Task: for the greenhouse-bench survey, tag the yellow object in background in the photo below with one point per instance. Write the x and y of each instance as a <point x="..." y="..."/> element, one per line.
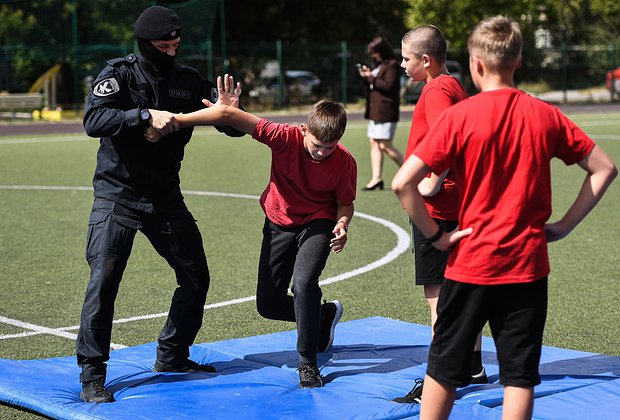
<point x="47" y="115"/>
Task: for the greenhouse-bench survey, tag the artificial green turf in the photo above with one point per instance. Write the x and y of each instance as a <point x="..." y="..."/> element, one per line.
<point x="42" y="234"/>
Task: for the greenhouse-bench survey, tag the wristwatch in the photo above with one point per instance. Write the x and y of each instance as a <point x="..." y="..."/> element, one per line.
<point x="145" y="116"/>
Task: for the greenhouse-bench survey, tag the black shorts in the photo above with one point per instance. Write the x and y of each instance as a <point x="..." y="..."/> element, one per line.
<point x="516" y="315"/>
<point x="430" y="262"/>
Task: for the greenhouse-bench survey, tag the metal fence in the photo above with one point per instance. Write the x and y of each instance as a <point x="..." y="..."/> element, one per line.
<point x="64" y="42"/>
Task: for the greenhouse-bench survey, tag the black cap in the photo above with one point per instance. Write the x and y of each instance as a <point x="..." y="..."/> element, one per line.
<point x="158" y="22"/>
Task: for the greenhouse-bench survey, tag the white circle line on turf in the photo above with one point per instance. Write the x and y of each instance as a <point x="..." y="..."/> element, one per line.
<point x="402" y="246"/>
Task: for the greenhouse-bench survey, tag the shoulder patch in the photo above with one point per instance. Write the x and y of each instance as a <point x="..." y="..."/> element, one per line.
<point x="106" y="87"/>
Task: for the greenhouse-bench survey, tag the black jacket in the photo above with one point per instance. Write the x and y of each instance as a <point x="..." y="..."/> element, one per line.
<point x="383" y="94"/>
<point x="131" y="170"/>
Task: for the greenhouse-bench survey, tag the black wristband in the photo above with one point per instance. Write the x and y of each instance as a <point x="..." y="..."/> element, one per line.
<point x="436" y="236"/>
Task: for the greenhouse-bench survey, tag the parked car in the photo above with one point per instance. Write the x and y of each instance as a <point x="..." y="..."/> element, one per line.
<point x="612" y="80"/>
<point x="411" y="90"/>
<point x="301" y="86"/>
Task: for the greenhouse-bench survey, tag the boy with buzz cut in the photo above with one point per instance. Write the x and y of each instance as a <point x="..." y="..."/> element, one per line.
<point x="499" y="143"/>
<point x="424" y="51"/>
<point x="308" y="206"/>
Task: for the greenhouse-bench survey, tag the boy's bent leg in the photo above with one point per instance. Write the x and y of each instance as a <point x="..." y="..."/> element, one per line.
<point x="437" y="399"/>
<point x="518" y="403"/>
<point x="311" y="258"/>
<point x="275" y="271"/>
<point x="331" y="312"/>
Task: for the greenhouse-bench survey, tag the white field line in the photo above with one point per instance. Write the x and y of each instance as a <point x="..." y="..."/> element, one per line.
<point x="597" y="123"/>
<point x="46" y="139"/>
<point x="605" y="136"/>
<point x="402" y="246"/>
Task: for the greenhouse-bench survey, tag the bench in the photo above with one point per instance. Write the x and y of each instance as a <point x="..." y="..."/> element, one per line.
<point x="20" y="105"/>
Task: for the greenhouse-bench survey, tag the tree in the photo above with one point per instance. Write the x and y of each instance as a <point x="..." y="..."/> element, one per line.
<point x="315" y="20"/>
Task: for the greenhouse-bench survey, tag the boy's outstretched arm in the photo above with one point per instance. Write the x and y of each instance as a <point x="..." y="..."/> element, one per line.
<point x="220" y="115"/>
<point x="601" y="172"/>
<point x="344" y="215"/>
<point x="405" y="185"/>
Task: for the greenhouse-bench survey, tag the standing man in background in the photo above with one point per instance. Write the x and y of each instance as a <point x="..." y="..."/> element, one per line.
<point x="137" y="187"/>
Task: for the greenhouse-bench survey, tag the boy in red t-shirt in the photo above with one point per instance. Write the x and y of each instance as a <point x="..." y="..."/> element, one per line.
<point x="499" y="144"/>
<point x="424" y="50"/>
<point x="308" y="206"/>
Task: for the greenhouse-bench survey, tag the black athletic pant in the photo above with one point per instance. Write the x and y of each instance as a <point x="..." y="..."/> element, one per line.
<point x="175" y="236"/>
<point x="299" y="253"/>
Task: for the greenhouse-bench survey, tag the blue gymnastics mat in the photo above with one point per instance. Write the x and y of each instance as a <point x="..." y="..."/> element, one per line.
<point x="372" y="361"/>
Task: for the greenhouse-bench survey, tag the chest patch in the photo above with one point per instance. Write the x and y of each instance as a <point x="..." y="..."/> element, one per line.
<point x="181" y="94"/>
<point x="106" y="87"/>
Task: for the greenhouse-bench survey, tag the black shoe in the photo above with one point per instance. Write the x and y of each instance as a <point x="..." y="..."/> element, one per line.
<point x="186" y="365"/>
<point x="414" y="396"/>
<point x="309" y="376"/>
<point x="94" y="392"/>
<point x="379" y="185"/>
<point x="332" y="311"/>
<point x="480" y="378"/>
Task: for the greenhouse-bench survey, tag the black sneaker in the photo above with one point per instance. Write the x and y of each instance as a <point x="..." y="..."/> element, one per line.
<point x="414" y="396"/>
<point x="309" y="376"/>
<point x="94" y="392"/>
<point x="480" y="378"/>
<point x="186" y="365"/>
<point x="332" y="311"/>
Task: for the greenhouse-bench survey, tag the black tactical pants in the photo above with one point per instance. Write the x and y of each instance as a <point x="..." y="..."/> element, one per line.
<point x="175" y="236"/>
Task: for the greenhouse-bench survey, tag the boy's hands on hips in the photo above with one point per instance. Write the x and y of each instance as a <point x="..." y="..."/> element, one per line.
<point x="555" y="231"/>
<point x="449" y="239"/>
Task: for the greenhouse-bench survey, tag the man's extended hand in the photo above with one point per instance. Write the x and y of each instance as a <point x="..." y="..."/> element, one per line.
<point x="152" y="135"/>
<point x="164" y="122"/>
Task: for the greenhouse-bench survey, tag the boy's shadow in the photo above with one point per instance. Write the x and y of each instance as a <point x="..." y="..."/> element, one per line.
<point x="340" y="361"/>
<point x="350" y="360"/>
<point x="356" y="359"/>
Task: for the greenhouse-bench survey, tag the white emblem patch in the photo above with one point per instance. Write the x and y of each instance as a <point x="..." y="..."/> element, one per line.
<point x="106" y="87"/>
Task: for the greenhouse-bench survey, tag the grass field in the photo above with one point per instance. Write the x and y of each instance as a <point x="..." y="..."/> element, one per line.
<point x="43" y="274"/>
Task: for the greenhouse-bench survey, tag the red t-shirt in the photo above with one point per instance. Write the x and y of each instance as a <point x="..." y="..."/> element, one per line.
<point x="440" y="93"/>
<point x="500" y="144"/>
<point x="302" y="189"/>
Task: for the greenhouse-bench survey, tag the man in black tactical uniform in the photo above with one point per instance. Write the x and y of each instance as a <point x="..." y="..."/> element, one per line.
<point x="137" y="187"/>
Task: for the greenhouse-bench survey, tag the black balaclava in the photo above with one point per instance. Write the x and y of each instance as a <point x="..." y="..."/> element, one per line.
<point x="157" y="23"/>
<point x="161" y="61"/>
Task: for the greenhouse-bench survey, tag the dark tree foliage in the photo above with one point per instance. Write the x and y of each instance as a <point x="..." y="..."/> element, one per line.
<point x="314" y="20"/>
